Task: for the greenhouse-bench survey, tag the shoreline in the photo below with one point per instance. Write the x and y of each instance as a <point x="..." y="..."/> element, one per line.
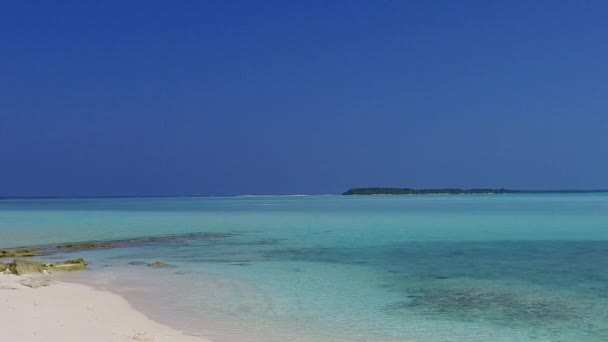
<point x="66" y="311"/>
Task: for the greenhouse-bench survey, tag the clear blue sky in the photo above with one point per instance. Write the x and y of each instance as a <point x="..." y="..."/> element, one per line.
<point x="240" y="97"/>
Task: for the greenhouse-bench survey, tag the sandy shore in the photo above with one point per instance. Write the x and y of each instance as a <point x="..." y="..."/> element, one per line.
<point x="73" y="312"/>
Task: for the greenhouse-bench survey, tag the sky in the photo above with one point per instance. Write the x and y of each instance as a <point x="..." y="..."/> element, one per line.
<point x="141" y="98"/>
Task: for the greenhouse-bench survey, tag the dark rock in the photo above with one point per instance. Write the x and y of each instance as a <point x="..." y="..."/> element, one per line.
<point x="49" y="249"/>
<point x="68" y="265"/>
<point x="159" y="264"/>
<point x="18" y="252"/>
<point x="140" y="241"/>
<point x="21" y="266"/>
<point x="2" y="267"/>
<point x="88" y="245"/>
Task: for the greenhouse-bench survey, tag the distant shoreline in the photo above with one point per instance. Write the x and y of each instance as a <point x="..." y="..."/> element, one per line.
<point x="456" y="191"/>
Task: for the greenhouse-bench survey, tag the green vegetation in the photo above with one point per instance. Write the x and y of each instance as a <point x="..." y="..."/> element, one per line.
<point x="452" y="191"/>
<point x="409" y="191"/>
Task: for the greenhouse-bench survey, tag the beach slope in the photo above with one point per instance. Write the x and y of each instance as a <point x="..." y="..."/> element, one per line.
<point x="62" y="311"/>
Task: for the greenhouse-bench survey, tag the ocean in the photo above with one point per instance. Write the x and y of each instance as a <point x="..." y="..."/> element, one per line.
<point x="505" y="267"/>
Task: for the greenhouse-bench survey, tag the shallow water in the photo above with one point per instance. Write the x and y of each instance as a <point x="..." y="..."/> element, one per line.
<point x="528" y="267"/>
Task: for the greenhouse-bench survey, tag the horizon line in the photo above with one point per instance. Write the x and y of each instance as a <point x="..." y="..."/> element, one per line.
<point x="518" y="191"/>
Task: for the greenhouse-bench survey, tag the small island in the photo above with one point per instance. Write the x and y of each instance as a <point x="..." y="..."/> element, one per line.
<point x="410" y="191"/>
<point x="455" y="191"/>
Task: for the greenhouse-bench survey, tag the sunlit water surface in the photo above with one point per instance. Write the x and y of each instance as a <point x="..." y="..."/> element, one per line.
<point x="332" y="268"/>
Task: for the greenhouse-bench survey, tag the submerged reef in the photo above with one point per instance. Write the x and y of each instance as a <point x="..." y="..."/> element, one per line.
<point x="501" y="306"/>
<point x="139" y="241"/>
<point x="40" y="250"/>
<point x="19" y="252"/>
<point x="21" y="266"/>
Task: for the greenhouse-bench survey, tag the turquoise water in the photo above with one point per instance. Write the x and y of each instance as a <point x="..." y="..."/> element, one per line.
<point x="528" y="267"/>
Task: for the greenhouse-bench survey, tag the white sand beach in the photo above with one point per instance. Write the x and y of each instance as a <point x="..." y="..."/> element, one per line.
<point x="62" y="311"/>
